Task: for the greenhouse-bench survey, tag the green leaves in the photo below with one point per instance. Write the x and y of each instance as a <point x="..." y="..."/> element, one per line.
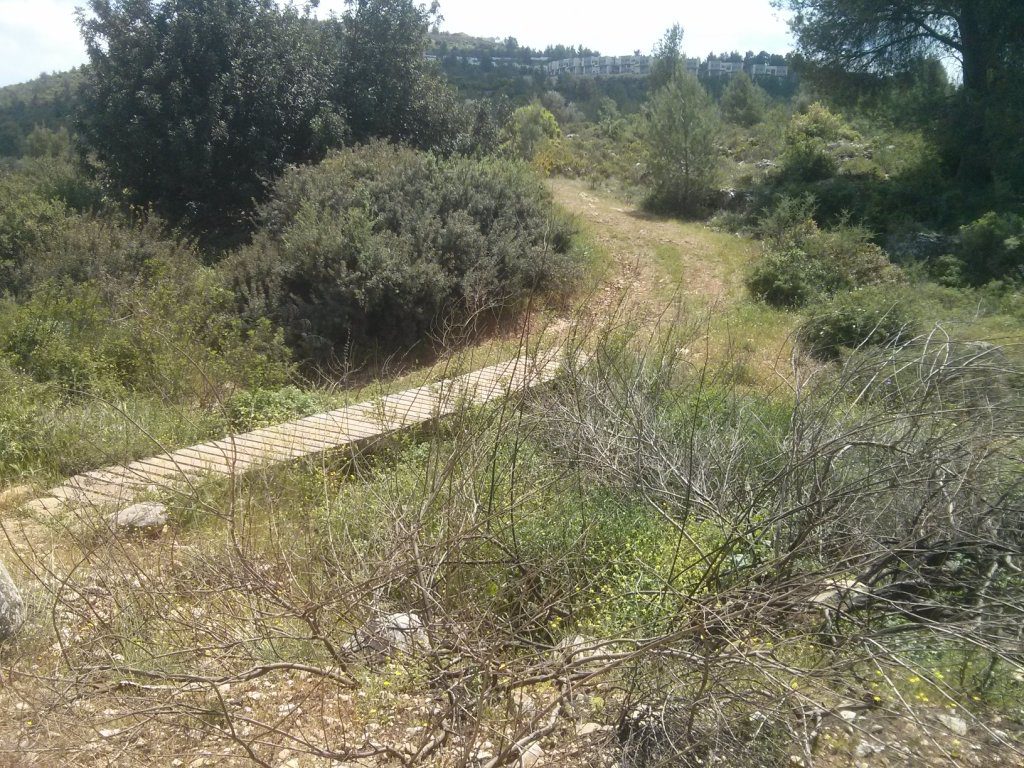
<point x="197" y="107"/>
<point x="681" y="145"/>
<point x="378" y="245"/>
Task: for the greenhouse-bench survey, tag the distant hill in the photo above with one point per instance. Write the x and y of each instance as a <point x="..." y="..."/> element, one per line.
<point x="459" y="43"/>
<point x="50" y="100"/>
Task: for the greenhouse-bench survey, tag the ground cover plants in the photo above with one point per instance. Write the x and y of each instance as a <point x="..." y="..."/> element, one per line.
<point x="768" y="513"/>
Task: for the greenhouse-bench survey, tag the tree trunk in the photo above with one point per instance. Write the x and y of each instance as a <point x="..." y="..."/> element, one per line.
<point x="975" y="161"/>
<point x="12" y="607"/>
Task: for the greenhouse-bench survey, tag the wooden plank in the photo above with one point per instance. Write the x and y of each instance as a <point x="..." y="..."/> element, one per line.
<point x="307" y="436"/>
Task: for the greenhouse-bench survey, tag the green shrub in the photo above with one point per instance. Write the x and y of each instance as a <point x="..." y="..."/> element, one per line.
<point x="789" y="278"/>
<point x="378" y="244"/>
<point x="109" y="250"/>
<point x="808" y="156"/>
<point x="803" y="261"/>
<point x="43" y="142"/>
<point x="818" y="122"/>
<point x="743" y="103"/>
<point x="530" y="130"/>
<point x="865" y="317"/>
<point x="806" y="160"/>
<point x="265" y="407"/>
<point x="27" y="221"/>
<point x="171" y="331"/>
<point x="992" y="248"/>
<point x="22" y="402"/>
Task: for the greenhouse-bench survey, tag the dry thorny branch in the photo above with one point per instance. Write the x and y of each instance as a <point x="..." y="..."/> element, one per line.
<point x="708" y="571"/>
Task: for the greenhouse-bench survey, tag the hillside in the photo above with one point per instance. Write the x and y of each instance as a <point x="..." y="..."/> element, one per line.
<point x="48" y="101"/>
<point x="371" y="397"/>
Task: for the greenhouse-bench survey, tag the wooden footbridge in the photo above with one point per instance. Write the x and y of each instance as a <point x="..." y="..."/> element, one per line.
<point x="355" y="425"/>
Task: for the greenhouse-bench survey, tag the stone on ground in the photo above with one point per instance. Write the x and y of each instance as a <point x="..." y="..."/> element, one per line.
<point x="145" y="517"/>
<point x="12" y="607"/>
<point x="393" y="633"/>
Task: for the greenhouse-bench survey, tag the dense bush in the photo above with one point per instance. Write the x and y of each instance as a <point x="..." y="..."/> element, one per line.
<point x="743" y="102"/>
<point x="22" y="405"/>
<point x="257" y="408"/>
<point x="992" y="248"/>
<point x="172" y="333"/>
<point x="195" y="107"/>
<point x="104" y="302"/>
<point x="531" y="129"/>
<point x="865" y="317"/>
<point x="378" y="244"/>
<point x="27" y="220"/>
<point x="808" y="155"/>
<point x="39" y="201"/>
<point x="803" y="261"/>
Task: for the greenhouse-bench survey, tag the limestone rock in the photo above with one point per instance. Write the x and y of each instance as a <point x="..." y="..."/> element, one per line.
<point x="146" y="517"/>
<point x="531" y="756"/>
<point x="43" y="506"/>
<point x="866" y="749"/>
<point x="12" y="606"/>
<point x="955" y="724"/>
<point x="392" y="633"/>
<point x="578" y="651"/>
<point x="589" y="729"/>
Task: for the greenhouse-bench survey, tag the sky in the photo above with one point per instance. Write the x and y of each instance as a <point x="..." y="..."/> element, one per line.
<point x="41" y="35"/>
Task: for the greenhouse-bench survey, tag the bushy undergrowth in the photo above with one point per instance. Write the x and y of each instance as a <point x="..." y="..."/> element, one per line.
<point x="804" y="262"/>
<point x="115" y="340"/>
<point x="992" y="248"/>
<point x="643" y="536"/>
<point x="862" y="318"/>
<point x="379" y="245"/>
<point x="257" y="408"/>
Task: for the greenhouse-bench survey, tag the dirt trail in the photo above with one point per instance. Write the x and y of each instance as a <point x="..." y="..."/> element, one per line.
<point x="655" y="265"/>
<point x="650" y="257"/>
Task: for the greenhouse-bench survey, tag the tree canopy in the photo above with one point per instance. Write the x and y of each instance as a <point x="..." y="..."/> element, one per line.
<point x="888" y="36"/>
<point x="668" y="57"/>
<point x="893" y="35"/>
<point x="196" y="106"/>
<point x="743" y="103"/>
<point x="680" y="141"/>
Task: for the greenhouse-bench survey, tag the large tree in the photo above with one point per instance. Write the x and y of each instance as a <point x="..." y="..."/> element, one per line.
<point x="196" y="106"/>
<point x="885" y="36"/>
<point x="382" y="77"/>
<point x="680" y="137"/>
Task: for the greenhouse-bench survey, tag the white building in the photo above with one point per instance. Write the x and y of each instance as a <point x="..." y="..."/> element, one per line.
<point x="770" y="70"/>
<point x="718" y="68"/>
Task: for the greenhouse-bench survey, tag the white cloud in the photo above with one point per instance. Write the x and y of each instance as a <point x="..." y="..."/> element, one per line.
<point x="38" y="36"/>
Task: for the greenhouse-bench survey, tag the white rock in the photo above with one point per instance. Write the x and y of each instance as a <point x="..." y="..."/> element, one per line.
<point x="12" y="606"/>
<point x="147" y="517"/>
<point x="955" y="724"/>
<point x="43" y="506"/>
<point x="589" y="728"/>
<point x="531" y="756"/>
<point x="577" y="649"/>
<point x="395" y="632"/>
<point x="848" y="715"/>
<point x="866" y="749"/>
<point x="524" y="703"/>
